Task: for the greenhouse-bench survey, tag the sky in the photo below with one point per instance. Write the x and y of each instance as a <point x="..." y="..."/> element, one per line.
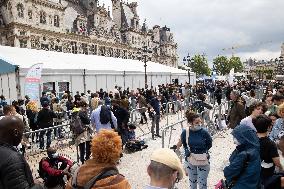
<point x="209" y="26"/>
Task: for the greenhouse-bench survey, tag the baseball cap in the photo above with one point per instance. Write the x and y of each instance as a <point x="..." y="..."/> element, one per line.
<point x="168" y="158"/>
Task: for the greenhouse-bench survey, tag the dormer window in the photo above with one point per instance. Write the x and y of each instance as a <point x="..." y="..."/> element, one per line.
<point x="42" y="17"/>
<point x="56" y="21"/>
<point x="20" y="9"/>
<point x="30" y="14"/>
<point x="132" y="22"/>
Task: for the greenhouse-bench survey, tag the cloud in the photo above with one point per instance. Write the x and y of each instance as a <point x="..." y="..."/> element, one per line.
<point x="208" y="26"/>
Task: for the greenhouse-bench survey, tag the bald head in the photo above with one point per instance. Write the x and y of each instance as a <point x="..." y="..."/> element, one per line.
<point x="11" y="130"/>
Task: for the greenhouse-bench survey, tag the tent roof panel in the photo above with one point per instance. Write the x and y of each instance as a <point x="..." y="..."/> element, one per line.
<point x="25" y="58"/>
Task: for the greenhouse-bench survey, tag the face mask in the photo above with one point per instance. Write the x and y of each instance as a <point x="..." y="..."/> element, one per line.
<point x="196" y="127"/>
<point x="236" y="141"/>
<point x="53" y="156"/>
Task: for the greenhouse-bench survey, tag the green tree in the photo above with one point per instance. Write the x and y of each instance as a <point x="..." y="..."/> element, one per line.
<point x="200" y="65"/>
<point x="236" y="63"/>
<point x="221" y="65"/>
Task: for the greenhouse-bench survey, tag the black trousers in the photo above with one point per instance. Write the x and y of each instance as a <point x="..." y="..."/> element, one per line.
<point x="85" y="151"/>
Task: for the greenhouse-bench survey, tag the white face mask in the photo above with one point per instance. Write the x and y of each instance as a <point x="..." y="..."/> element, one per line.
<point x="196" y="127"/>
<point x="236" y="141"/>
<point x="55" y="155"/>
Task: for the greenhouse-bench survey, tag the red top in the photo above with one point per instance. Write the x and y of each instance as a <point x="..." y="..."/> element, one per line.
<point x="52" y="171"/>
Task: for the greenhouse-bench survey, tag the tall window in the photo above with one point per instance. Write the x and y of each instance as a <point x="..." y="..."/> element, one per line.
<point x="58" y="46"/>
<point x="74" y="47"/>
<point x="93" y="49"/>
<point x="85" y="48"/>
<point x="102" y="51"/>
<point x="56" y="21"/>
<point x="42" y="17"/>
<point x="111" y="52"/>
<point x="20" y="9"/>
<point x="23" y="43"/>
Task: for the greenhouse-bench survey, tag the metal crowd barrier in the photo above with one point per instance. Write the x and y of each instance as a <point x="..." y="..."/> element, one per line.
<point x="59" y="137"/>
<point x="212" y="121"/>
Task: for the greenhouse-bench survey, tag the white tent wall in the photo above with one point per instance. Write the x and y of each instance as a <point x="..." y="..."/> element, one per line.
<point x="119" y="80"/>
<point x="94" y="82"/>
<point x="139" y="81"/>
<point x="8" y="86"/>
<point x="91" y="82"/>
<point x="101" y="82"/>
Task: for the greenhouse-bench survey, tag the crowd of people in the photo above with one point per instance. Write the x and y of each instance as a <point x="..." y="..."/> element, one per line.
<point x="100" y="125"/>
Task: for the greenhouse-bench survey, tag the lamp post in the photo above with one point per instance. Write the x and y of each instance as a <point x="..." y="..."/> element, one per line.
<point x="144" y="55"/>
<point x="189" y="61"/>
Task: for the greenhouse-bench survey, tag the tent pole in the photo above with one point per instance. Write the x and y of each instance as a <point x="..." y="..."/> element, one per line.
<point x="84" y="80"/>
<point x="124" y="79"/>
<point x="18" y="86"/>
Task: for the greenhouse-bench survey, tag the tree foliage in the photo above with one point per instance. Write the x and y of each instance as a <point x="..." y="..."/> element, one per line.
<point x="222" y="64"/>
<point x="200" y="65"/>
<point x="236" y="63"/>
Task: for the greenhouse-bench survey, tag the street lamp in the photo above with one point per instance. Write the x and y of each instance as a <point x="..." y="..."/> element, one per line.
<point x="144" y="55"/>
<point x="190" y="62"/>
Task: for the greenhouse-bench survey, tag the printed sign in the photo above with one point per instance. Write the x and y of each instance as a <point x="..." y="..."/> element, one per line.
<point x="32" y="82"/>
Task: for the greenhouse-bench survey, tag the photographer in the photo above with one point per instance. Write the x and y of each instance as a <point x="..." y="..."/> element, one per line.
<point x="155" y="115"/>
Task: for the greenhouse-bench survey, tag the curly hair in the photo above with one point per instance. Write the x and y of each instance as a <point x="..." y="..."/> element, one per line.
<point x="32" y="105"/>
<point x="255" y="105"/>
<point x="191" y="116"/>
<point x="106" y="147"/>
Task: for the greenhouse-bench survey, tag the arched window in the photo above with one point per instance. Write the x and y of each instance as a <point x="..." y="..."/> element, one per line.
<point x="42" y="17"/>
<point x="56" y="21"/>
<point x="30" y="14"/>
<point x="20" y="9"/>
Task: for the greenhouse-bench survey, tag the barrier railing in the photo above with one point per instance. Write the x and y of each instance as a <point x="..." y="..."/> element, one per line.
<point x="133" y="117"/>
<point x="59" y="137"/>
<point x="211" y="118"/>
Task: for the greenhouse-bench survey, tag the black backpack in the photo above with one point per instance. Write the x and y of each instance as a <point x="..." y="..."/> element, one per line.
<point x="107" y="172"/>
<point x="105" y="115"/>
<point x="77" y="127"/>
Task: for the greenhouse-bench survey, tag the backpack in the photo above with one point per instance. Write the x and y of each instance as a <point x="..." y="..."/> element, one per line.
<point x="134" y="146"/>
<point x="76" y="124"/>
<point x="107" y="172"/>
<point x="105" y="115"/>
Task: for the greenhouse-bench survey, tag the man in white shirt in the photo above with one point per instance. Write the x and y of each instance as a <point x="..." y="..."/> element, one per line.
<point x="164" y="170"/>
<point x="96" y="122"/>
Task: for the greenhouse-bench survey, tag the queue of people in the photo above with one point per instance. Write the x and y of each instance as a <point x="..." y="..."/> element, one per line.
<point x="99" y="122"/>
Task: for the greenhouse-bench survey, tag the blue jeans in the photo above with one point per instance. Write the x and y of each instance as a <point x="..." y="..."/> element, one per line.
<point x="197" y="174"/>
<point x="41" y="139"/>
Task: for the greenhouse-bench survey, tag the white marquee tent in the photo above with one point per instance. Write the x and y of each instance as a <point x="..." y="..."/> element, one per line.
<point x="79" y="72"/>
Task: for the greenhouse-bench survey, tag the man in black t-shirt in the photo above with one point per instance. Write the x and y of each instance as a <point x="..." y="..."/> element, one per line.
<point x="268" y="150"/>
<point x="277" y="180"/>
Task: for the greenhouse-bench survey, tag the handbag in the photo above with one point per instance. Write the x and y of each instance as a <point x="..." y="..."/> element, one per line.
<point x="222" y="185"/>
<point x="196" y="159"/>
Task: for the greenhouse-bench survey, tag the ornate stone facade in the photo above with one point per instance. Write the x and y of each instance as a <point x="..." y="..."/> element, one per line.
<point x="85" y="27"/>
